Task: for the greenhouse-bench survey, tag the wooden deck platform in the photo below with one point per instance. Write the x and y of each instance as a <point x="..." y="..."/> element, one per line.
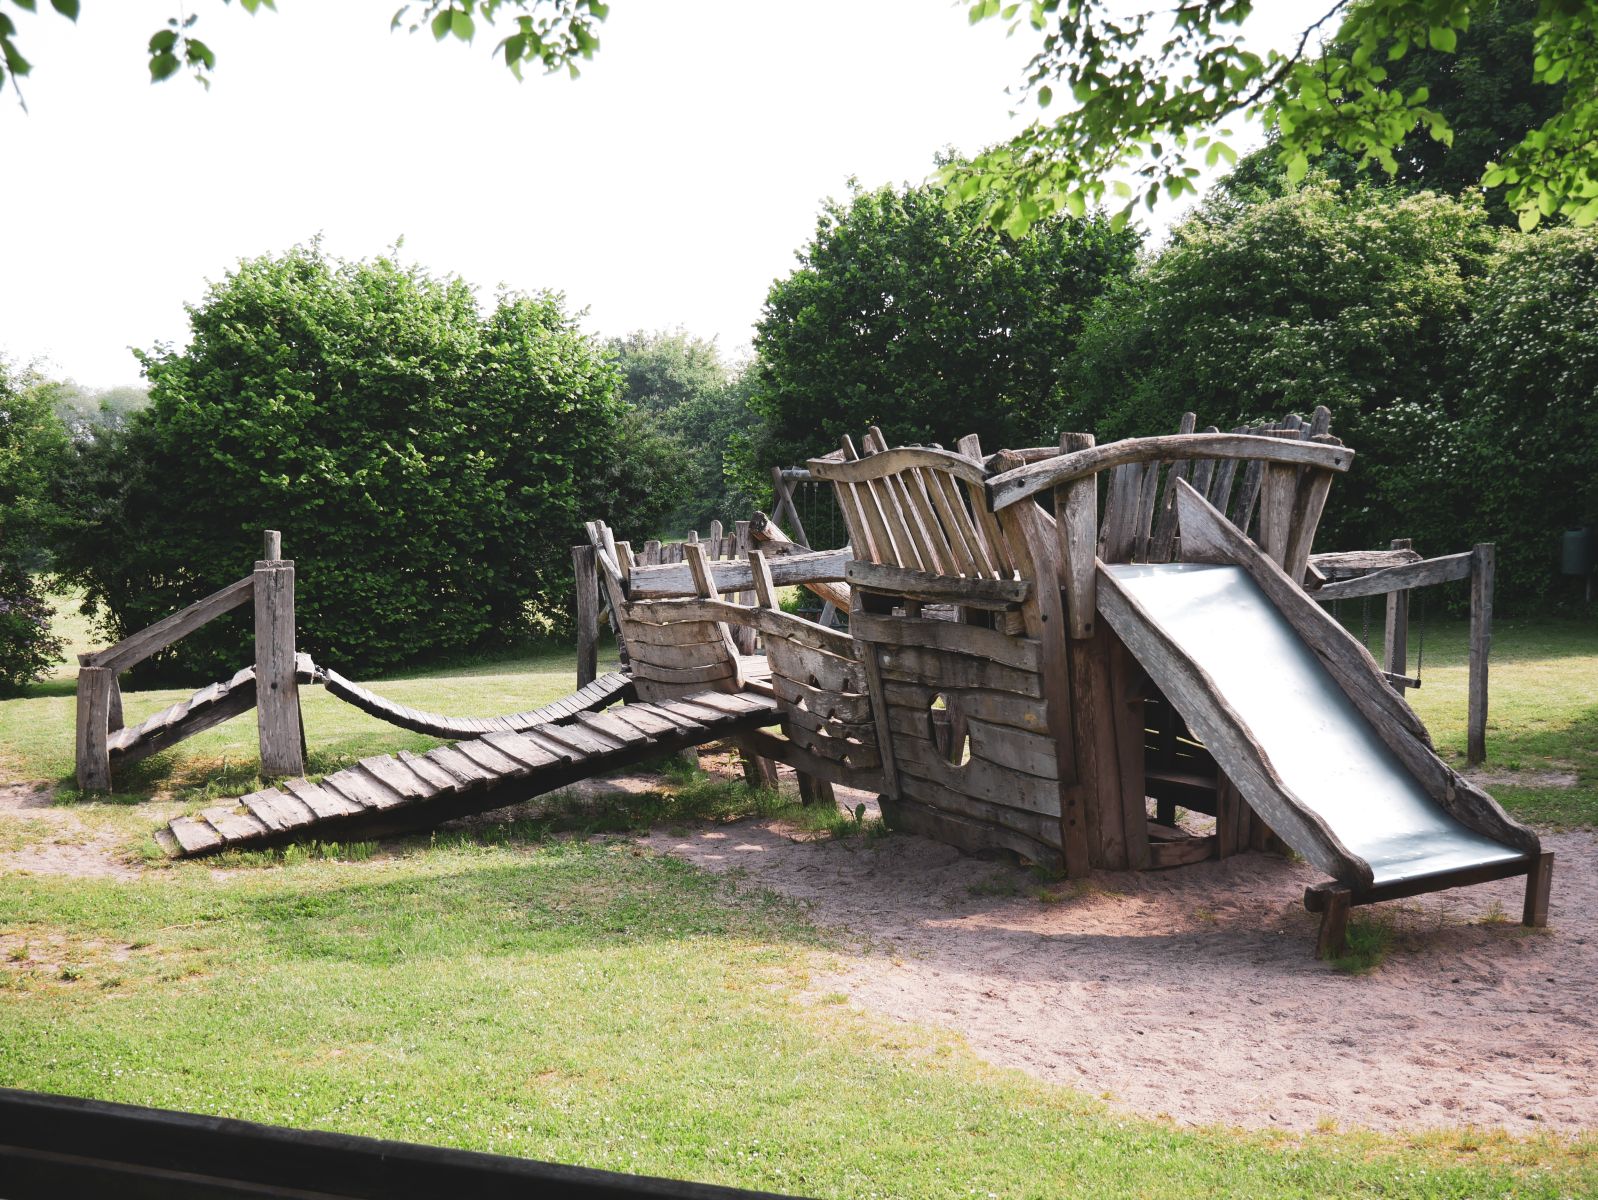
<point x="394" y="794"/>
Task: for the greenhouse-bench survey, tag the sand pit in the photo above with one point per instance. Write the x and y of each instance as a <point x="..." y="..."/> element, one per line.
<point x="1195" y="993"/>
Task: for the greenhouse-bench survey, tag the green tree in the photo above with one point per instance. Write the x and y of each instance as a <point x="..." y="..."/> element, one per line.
<point x="919" y="317"/>
<point x="552" y="34"/>
<point x="429" y="465"/>
<point x="32" y="447"/>
<point x="700" y="406"/>
<point x="1342" y="297"/>
<point x="1153" y="88"/>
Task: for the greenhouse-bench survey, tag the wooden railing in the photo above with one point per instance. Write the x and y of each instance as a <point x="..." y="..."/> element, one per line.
<point x="271" y="587"/>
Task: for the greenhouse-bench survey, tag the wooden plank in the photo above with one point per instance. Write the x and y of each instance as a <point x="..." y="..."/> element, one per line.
<point x="973" y="835"/>
<point x="584" y="741"/>
<point x="1020" y="653"/>
<point x="501" y="764"/>
<point x="684" y="675"/>
<point x="326" y="804"/>
<point x="234" y="826"/>
<point x="137" y="647"/>
<point x="647" y="721"/>
<point x="1017" y="483"/>
<point x="850" y="708"/>
<point x="997" y="548"/>
<point x="542" y="737"/>
<point x="605" y="725"/>
<point x="1482" y="569"/>
<point x="363" y="788"/>
<point x="440" y="779"/>
<point x="816" y="667"/>
<point x="1141" y="526"/>
<point x="658" y="583"/>
<point x="689" y="718"/>
<point x="450" y="759"/>
<point x="1309" y="502"/>
<point x="1181" y="853"/>
<point x="195" y="836"/>
<point x="894" y="461"/>
<point x="585" y="571"/>
<point x="942" y="668"/>
<point x="277" y="696"/>
<point x="999" y="708"/>
<point x="521" y="749"/>
<point x="855" y="754"/>
<point x="259" y="805"/>
<point x="1128" y="710"/>
<point x="771" y="622"/>
<point x="1277" y="492"/>
<point x="1120" y="513"/>
<point x="965" y="548"/>
<point x="1348" y="564"/>
<point x="1332" y="940"/>
<point x="1417" y="573"/>
<point x="398" y="776"/>
<point x="919" y="784"/>
<point x="681" y="658"/>
<point x="1395" y="632"/>
<point x="1076" y="525"/>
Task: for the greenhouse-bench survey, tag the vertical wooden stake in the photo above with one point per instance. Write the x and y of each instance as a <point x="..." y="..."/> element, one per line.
<point x="1396" y="635"/>
<point x="1481" y="643"/>
<point x="744" y="635"/>
<point x="277" y="693"/>
<point x="586" y="572"/>
<point x="94" y="711"/>
<point x="1076" y="525"/>
<point x="114" y="707"/>
<point x="1333" y="940"/>
<point x="1538" y="883"/>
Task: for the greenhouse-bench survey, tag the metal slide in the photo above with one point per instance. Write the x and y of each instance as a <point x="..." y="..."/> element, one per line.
<point x="1332" y="762"/>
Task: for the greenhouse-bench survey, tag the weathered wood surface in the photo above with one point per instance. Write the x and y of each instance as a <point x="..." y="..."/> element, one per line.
<point x="93" y="725"/>
<point x="585" y="571"/>
<point x="1350" y="564"/>
<point x="1020" y="653"/>
<point x="1076" y="525"/>
<point x="605" y="690"/>
<point x="1018" y="483"/>
<point x="1027" y="714"/>
<point x="931" y="587"/>
<point x="829" y="672"/>
<point x="384" y="794"/>
<point x="277" y="696"/>
<point x="1482" y="569"/>
<point x="675" y="579"/>
<point x="137" y="647"/>
<point x="892" y="462"/>
<point x="987" y="830"/>
<point x="919" y="664"/>
<point x="772" y="622"/>
<point x="1416" y="573"/>
<point x="1207" y="537"/>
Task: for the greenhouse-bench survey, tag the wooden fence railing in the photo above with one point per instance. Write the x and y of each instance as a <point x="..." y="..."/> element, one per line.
<point x="271" y="587"/>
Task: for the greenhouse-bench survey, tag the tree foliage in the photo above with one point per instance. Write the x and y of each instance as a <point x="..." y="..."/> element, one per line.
<point x="919" y="317"/>
<point x="32" y="446"/>
<point x="429" y="464"/>
<point x="699" y="405"/>
<point x="552" y="34"/>
<point x="1152" y="90"/>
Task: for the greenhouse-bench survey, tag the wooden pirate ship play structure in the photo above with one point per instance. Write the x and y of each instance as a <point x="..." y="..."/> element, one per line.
<point x="1052" y="652"/>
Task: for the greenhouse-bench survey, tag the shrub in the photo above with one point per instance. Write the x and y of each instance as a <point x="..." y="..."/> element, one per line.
<point x="430" y="466"/>
<point x="32" y="447"/>
<point x="28" y="649"/>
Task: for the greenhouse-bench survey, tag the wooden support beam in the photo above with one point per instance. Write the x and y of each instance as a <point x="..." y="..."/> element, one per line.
<point x="94" y="711"/>
<point x="1076" y="525"/>
<point x="1333" y="939"/>
<point x="586" y="572"/>
<point x="1395" y="634"/>
<point x="277" y="709"/>
<point x="1481" y="644"/>
<point x="1539" y="880"/>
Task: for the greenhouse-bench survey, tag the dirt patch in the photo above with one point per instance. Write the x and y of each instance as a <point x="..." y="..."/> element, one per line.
<point x="1524" y="779"/>
<point x="67" y="847"/>
<point x="1195" y="992"/>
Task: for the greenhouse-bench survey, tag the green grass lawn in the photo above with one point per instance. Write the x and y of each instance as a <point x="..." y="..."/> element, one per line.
<point x="576" y="999"/>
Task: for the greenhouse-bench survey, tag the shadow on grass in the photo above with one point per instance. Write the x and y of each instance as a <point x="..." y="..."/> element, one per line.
<point x="1570" y="745"/>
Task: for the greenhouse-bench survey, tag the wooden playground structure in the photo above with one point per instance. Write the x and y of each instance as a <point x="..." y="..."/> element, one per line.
<point x="1111" y="657"/>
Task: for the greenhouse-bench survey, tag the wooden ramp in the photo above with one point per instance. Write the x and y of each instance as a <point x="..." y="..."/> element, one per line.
<point x="602" y="692"/>
<point x="395" y="794"/>
<point x="209" y="706"/>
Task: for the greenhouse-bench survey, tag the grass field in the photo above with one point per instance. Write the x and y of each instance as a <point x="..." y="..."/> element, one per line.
<point x="575" y="999"/>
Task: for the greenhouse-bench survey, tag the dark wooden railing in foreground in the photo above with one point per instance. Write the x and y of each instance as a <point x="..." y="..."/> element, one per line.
<point x="54" y="1146"/>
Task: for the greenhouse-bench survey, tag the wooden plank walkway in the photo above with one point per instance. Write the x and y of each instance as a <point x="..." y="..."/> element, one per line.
<point x="209" y="706"/>
<point x="602" y="692"/>
<point x="395" y="794"/>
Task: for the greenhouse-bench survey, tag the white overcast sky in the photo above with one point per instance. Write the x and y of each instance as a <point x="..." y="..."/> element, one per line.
<point x="668" y="186"/>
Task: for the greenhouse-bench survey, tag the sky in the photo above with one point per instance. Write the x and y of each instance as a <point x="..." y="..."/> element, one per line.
<point x="667" y="187"/>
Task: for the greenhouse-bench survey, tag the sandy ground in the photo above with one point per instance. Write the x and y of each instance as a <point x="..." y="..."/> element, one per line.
<point x="71" y="847"/>
<point x="1195" y="993"/>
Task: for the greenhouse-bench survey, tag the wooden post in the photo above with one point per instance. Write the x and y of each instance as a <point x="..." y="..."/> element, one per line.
<point x="781" y="498"/>
<point x="1482" y="564"/>
<point x="94" y="711"/>
<point x="1538" y="881"/>
<point x="1395" y="638"/>
<point x="1076" y="525"/>
<point x="744" y="635"/>
<point x="586" y="572"/>
<point x="1333" y="940"/>
<point x="277" y="693"/>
